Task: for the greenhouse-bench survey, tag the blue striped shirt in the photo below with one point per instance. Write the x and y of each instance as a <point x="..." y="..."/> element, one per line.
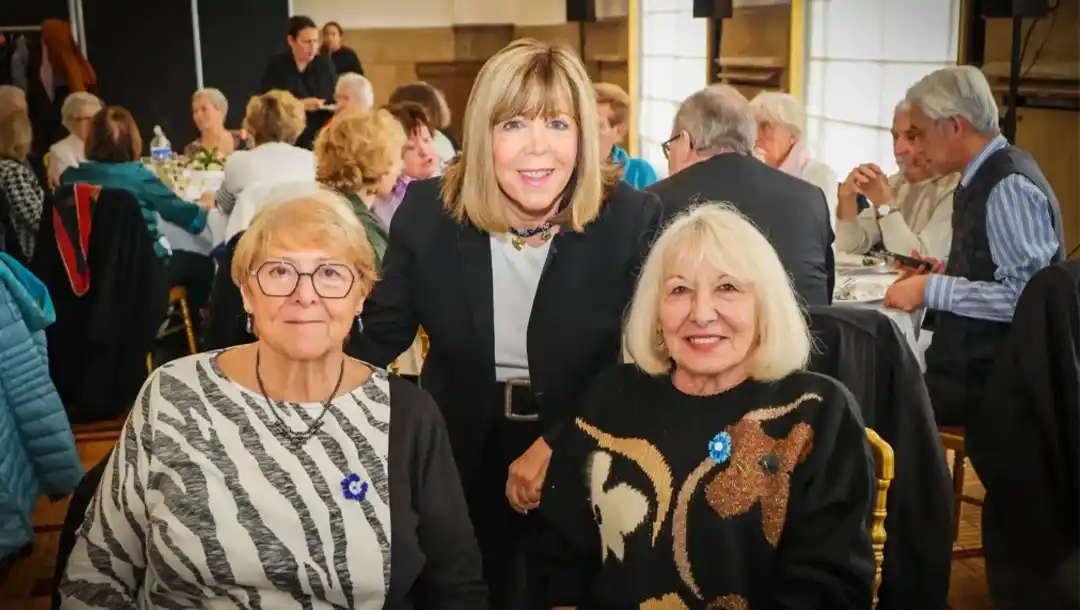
<point x="1023" y="240"/>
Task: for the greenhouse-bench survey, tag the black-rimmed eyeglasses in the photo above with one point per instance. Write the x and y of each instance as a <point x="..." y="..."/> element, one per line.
<point x="280" y="279"/>
<point x="666" y="146"/>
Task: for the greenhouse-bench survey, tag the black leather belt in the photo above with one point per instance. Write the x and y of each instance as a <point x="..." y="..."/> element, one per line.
<point x="517" y="392"/>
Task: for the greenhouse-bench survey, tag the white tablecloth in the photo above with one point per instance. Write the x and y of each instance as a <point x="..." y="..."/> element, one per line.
<point x="203" y="243"/>
<point x="909" y="323"/>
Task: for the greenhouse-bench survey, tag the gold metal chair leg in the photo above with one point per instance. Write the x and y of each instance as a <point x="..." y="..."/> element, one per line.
<point x="959" y="458"/>
<point x="149" y="363"/>
<point x="189" y="328"/>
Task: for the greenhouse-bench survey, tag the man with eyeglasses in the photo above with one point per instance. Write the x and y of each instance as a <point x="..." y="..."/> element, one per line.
<point x="710" y="158"/>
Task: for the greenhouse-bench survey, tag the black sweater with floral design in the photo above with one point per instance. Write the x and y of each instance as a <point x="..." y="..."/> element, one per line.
<point x="757" y="498"/>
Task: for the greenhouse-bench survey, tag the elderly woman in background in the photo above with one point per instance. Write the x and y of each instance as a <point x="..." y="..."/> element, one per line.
<point x="434" y="105"/>
<point x="287" y="473"/>
<point x="519" y="274"/>
<point x="419" y="159"/>
<point x="208" y="110"/>
<point x="353" y="92"/>
<point x="358" y="155"/>
<point x="781" y="129"/>
<point x="910" y="211"/>
<point x="614" y="106"/>
<point x="753" y="473"/>
<point x="77" y="112"/>
<point x="18" y="184"/>
<point x="273" y="120"/>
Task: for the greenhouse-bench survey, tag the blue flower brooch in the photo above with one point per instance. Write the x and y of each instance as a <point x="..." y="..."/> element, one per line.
<point x="720" y="447"/>
<point x="354" y="488"/>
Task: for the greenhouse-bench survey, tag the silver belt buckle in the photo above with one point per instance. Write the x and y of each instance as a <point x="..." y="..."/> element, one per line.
<point x="508" y="400"/>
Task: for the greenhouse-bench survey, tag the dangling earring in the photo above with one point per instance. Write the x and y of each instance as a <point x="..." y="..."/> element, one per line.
<point x="248" y="325"/>
<point x="359" y="325"/>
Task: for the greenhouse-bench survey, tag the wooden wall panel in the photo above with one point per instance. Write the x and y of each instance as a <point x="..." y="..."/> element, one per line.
<point x="1053" y="139"/>
<point x="755" y="49"/>
<point x="1052" y="136"/>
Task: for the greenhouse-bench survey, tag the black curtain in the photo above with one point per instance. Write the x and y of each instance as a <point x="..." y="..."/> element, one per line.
<point x="144" y="55"/>
<point x="30" y="12"/>
<point x="236" y="38"/>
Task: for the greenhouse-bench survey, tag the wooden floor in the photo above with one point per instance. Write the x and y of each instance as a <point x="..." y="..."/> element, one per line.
<point x="28" y="581"/>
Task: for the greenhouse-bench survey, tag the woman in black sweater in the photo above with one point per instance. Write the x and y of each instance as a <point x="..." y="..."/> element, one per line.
<point x="345" y="58"/>
<point x="714" y="472"/>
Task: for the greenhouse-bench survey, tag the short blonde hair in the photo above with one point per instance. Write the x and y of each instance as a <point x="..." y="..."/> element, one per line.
<point x="275" y="116"/>
<point x="16" y="135"/>
<point x="355" y="150"/>
<point x="527" y="78"/>
<point x="322" y="219"/>
<point x="718" y="234"/>
<point x="782" y="109"/>
<point x="617" y="99"/>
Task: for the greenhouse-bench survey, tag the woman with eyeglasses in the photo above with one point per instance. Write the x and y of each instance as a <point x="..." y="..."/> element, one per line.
<point x="282" y="473"/>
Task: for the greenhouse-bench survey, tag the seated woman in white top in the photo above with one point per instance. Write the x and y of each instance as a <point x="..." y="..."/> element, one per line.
<point x="274" y="120"/>
<point x="909" y="211"/>
<point x="78" y="110"/>
<point x="781" y="123"/>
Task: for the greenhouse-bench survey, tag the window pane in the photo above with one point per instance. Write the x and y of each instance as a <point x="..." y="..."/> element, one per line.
<point x="920" y="30"/>
<point x="852" y="28"/>
<point x="843" y="146"/>
<point x="815" y="86"/>
<point x="852" y="92"/>
<point x="656" y="119"/>
<point x="895" y="81"/>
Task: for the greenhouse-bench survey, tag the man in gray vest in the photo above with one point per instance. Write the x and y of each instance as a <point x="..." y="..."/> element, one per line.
<point x="1006" y="227"/>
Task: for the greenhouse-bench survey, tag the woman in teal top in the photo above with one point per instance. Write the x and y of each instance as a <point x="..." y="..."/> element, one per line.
<point x="112" y="153"/>
<point x="613" y="105"/>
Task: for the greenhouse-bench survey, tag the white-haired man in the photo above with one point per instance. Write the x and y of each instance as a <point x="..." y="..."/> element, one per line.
<point x="353" y="92"/>
<point x="1006" y="227"/>
<point x="710" y="158"/>
<point x="910" y="211"/>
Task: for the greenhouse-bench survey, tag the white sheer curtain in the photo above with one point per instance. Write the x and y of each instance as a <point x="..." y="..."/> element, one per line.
<point x="862" y="57"/>
<point x="673" y="63"/>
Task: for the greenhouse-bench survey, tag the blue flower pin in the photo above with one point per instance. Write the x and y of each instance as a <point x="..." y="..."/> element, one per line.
<point x="354" y="488"/>
<point x="720" y="447"/>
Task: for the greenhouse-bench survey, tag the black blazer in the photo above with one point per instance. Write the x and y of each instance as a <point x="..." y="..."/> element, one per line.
<point x="1024" y="441"/>
<point x="791" y="212"/>
<point x="865" y="351"/>
<point x="437" y="274"/>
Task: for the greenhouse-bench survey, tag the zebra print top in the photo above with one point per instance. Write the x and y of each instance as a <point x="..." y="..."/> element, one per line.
<point x="203" y="504"/>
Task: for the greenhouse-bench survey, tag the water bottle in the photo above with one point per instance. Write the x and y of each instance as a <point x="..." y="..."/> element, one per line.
<point x="160" y="148"/>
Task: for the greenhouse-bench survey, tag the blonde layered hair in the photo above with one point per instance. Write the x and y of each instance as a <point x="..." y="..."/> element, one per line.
<point x="16" y="135"/>
<point x="321" y="220"/>
<point x="718" y="235"/>
<point x="356" y="150"/>
<point x="531" y="79"/>
<point x="275" y="116"/>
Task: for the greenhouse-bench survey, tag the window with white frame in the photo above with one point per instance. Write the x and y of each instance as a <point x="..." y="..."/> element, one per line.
<point x="862" y="57"/>
<point x="673" y="64"/>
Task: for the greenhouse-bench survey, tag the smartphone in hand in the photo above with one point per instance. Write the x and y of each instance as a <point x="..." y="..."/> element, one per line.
<point x="923" y="266"/>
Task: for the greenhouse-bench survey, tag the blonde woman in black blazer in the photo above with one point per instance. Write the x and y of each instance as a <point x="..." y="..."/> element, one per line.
<point x="519" y="264"/>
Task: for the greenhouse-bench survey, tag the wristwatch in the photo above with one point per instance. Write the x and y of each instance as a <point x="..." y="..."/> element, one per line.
<point x="883" y="210"/>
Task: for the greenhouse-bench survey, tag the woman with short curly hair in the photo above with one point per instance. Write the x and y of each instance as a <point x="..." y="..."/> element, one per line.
<point x="359" y="154"/>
